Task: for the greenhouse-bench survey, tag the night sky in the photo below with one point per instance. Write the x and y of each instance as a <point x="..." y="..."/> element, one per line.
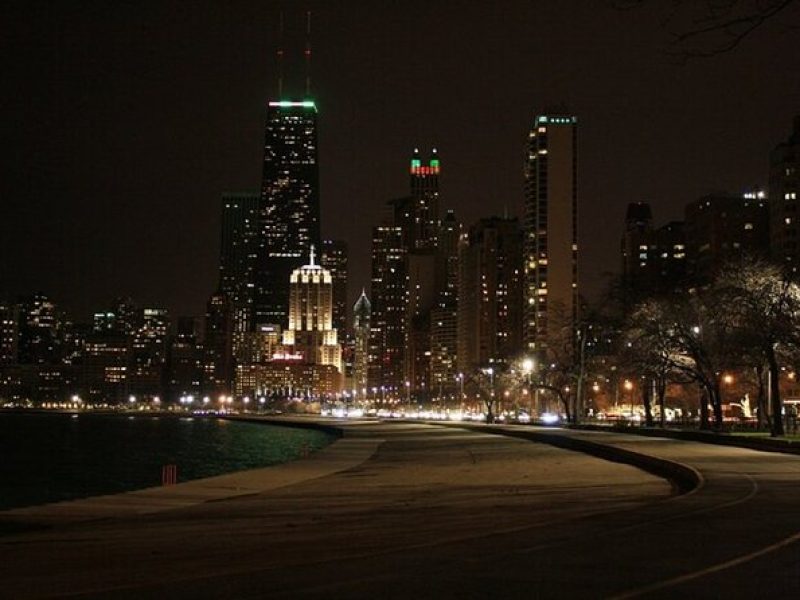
<point x="123" y="122"/>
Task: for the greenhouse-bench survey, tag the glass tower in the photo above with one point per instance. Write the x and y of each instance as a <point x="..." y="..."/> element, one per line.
<point x="289" y="206"/>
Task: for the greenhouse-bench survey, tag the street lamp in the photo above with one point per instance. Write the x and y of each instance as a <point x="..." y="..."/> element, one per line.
<point x="629" y="386"/>
<point x="527" y="368"/>
<point x="408" y="395"/>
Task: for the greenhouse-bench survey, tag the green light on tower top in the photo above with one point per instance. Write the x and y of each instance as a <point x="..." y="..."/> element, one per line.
<point x="416" y="163"/>
<point x="294" y="104"/>
<point x="435" y="163"/>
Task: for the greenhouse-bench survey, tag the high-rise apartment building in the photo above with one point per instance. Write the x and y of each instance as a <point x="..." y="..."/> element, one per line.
<point x="551" y="227"/>
<point x="388" y="333"/>
<point x="444" y="316"/>
<point x="239" y="254"/>
<point x="784" y="196"/>
<point x="289" y="213"/>
<point x="491" y="283"/>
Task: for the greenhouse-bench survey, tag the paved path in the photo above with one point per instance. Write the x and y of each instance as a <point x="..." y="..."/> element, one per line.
<point x="443" y="512"/>
<point x="391" y="510"/>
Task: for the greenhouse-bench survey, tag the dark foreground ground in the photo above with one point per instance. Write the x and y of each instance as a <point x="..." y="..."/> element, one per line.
<point x="410" y="511"/>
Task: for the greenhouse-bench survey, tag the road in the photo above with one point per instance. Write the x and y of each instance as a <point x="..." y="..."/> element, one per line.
<point x="434" y="511"/>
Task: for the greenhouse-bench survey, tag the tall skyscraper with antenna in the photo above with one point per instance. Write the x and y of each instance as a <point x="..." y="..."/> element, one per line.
<point x="289" y="210"/>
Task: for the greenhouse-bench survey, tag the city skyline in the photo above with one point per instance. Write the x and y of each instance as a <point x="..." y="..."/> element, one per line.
<point x="671" y="143"/>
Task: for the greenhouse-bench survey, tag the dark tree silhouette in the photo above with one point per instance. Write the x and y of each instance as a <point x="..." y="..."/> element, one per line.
<point x="709" y="28"/>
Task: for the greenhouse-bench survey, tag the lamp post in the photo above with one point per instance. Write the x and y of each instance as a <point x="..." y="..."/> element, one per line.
<point x="629" y="387"/>
<point x="527" y="368"/>
<point x="408" y="395"/>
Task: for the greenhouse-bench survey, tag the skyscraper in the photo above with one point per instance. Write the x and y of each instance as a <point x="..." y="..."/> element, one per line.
<point x="289" y="212"/>
<point x="389" y="302"/>
<point x="444" y="316"/>
<point x="784" y="193"/>
<point x="362" y="315"/>
<point x="551" y="227"/>
<point x="423" y="227"/>
<point x="311" y="332"/>
<point x="238" y="254"/>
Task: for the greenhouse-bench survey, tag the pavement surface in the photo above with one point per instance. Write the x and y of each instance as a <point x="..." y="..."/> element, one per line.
<point x="427" y="511"/>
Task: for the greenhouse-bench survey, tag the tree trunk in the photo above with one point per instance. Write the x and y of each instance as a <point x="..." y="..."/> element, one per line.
<point x="775" y="393"/>
<point x="646" y="401"/>
<point x="716" y="405"/>
<point x="762" y="414"/>
<point x="661" y="390"/>
<point x="565" y="404"/>
<point x="704" y="410"/>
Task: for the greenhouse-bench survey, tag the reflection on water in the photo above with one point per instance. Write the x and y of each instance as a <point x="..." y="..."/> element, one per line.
<point x="52" y="457"/>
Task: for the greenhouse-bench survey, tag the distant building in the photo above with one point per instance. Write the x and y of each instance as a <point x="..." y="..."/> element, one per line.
<point x="635" y="243"/>
<point x="784" y="195"/>
<point x="362" y="315"/>
<point x="653" y="259"/>
<point x="721" y="227"/>
<point x="311" y="333"/>
<point x="40" y="331"/>
<point x="106" y="360"/>
<point x="218" y="365"/>
<point x="289" y="213"/>
<point x="146" y="377"/>
<point x="184" y="361"/>
<point x="490" y="311"/>
<point x="288" y="379"/>
<point x="239" y="253"/>
<point x="444" y="315"/>
<point x="308" y="363"/>
<point x="333" y="257"/>
<point x="389" y="309"/>
<point x="9" y="332"/>
<point x="422" y="228"/>
<point x="551" y="226"/>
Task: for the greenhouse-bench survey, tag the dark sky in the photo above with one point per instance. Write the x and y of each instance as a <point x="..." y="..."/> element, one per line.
<point x="123" y="122"/>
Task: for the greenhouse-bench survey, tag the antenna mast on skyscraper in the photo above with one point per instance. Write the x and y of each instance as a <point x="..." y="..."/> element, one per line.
<point x="308" y="54"/>
<point x="280" y="56"/>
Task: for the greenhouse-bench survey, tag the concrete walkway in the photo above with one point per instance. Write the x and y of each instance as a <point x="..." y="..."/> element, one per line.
<point x="428" y="511"/>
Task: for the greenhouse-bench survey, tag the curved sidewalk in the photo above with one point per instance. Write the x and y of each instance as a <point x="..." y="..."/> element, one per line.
<point x="736" y="535"/>
<point x="457" y="511"/>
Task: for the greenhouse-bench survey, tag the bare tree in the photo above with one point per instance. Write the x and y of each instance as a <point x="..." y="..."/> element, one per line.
<point x="686" y="331"/>
<point x="764" y="307"/>
<point x="703" y="29"/>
